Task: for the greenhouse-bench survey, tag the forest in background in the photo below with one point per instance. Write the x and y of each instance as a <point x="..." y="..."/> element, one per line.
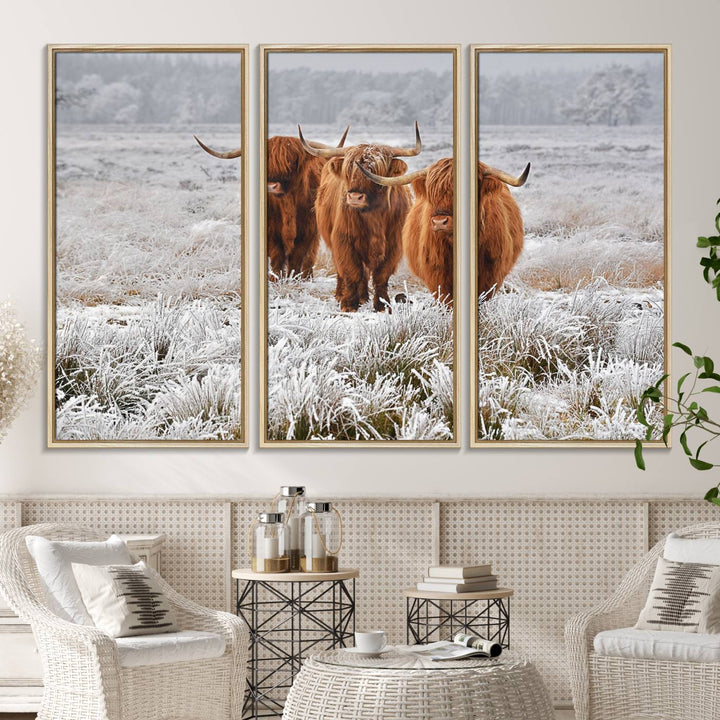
<point x="159" y="88"/>
<point x="559" y="97"/>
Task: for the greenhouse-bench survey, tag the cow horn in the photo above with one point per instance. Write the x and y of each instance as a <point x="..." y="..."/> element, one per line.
<point x="410" y="152"/>
<point x="230" y="155"/>
<point x="392" y="181"/>
<point x="508" y="179"/>
<point x="317" y="145"/>
<point x="323" y="152"/>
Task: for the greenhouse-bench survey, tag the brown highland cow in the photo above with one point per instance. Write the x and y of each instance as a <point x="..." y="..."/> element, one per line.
<point x="292" y="181"/>
<point x="428" y="229"/>
<point x="360" y="221"/>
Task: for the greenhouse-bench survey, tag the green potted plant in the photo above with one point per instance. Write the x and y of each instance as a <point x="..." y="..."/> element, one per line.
<point x="685" y="409"/>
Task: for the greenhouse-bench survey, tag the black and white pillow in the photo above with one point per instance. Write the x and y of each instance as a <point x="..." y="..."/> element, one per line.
<point x="684" y="597"/>
<point x="124" y="600"/>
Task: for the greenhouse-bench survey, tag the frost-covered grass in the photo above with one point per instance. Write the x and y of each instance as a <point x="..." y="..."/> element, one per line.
<point x="164" y="370"/>
<point x="357" y="376"/>
<point x="566" y="349"/>
<point x="567" y="366"/>
<point x="149" y="265"/>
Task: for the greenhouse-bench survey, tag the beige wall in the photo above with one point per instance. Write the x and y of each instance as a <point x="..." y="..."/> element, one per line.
<point x="27" y="467"/>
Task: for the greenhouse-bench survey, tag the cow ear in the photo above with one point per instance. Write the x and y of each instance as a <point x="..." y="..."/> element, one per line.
<point x="335" y="165"/>
<point x="419" y="186"/>
<point x="397" y="167"/>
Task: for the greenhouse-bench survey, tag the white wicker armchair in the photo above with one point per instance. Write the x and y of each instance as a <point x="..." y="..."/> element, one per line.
<point x="614" y="688"/>
<point x="81" y="670"/>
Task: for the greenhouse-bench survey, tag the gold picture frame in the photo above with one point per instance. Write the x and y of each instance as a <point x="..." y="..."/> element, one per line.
<point x="266" y="51"/>
<point x="475" y="52"/>
<point x="212" y="52"/>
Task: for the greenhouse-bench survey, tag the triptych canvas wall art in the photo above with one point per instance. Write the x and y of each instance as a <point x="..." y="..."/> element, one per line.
<point x="146" y="274"/>
<point x="360" y="219"/>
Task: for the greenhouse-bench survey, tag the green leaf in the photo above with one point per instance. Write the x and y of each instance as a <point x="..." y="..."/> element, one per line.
<point x="701" y="464"/>
<point x="667" y="426"/>
<point x="639" y="461"/>
<point x="709" y="376"/>
<point x="699" y="361"/>
<point x="712" y="389"/>
<point x="712" y="493"/>
<point x="641" y="412"/>
<point x="708" y="364"/>
<point x="683" y="347"/>
<point x="684" y="443"/>
<point x="703" y="242"/>
<point x="715" y="501"/>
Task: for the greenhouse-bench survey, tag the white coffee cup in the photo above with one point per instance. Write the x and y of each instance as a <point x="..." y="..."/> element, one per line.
<point x="372" y="641"/>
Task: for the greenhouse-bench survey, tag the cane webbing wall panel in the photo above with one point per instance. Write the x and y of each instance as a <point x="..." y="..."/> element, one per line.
<point x="193" y="555"/>
<point x="559" y="557"/>
<point x="7" y="515"/>
<point x="668" y="515"/>
<point x="391" y="544"/>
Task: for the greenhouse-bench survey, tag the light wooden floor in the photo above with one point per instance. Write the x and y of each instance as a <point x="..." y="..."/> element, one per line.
<point x="559" y="715"/>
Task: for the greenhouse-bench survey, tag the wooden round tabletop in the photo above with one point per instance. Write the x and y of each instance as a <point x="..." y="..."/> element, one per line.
<point x="483" y="595"/>
<point x="343" y="574"/>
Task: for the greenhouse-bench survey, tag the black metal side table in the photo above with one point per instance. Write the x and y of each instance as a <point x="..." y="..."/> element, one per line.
<point x="290" y="615"/>
<point x="435" y="616"/>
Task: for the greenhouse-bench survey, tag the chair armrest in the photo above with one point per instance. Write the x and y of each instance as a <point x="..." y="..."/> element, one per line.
<point x="71" y="650"/>
<point x="192" y="616"/>
<point x="619" y="610"/>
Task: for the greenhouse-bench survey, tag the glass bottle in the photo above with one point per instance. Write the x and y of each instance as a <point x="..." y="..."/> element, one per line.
<point x="269" y="544"/>
<point x="323" y="537"/>
<point x="291" y="502"/>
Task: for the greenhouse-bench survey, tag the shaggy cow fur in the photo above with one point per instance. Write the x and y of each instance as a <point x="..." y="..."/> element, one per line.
<point x="362" y="223"/>
<point x="500" y="232"/>
<point x="293" y="178"/>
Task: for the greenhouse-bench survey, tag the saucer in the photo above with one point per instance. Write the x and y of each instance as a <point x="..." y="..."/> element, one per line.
<point x="360" y="653"/>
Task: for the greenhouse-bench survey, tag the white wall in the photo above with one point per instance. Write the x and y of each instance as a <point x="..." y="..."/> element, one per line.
<point x="26" y="466"/>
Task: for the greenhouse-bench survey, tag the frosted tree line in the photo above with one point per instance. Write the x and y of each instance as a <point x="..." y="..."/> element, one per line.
<point x="616" y="94"/>
<point x="170" y="89"/>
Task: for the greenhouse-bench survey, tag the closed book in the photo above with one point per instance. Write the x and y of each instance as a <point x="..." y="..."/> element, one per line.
<point x="460" y="572"/>
<point x="457" y="588"/>
<point x="456" y="581"/>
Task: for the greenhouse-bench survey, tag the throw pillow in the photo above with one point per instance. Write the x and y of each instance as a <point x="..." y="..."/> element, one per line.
<point x="124" y="600"/>
<point x="53" y="559"/>
<point x="684" y="597"/>
<point x="692" y="550"/>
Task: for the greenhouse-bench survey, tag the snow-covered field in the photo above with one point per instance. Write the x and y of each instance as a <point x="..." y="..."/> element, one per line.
<point x="148" y="284"/>
<point x="364" y="375"/>
<point x="576" y="335"/>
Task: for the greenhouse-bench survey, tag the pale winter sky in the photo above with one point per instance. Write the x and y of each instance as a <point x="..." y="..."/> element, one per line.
<point x="373" y="62"/>
<point x="519" y="63"/>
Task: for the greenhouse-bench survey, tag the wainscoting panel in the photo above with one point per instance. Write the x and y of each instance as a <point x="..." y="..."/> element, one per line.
<point x="8" y="515"/>
<point x="193" y="558"/>
<point x="669" y="515"/>
<point x="559" y="557"/>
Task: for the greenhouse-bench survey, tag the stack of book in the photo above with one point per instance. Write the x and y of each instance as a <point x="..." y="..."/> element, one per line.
<point x="458" y="579"/>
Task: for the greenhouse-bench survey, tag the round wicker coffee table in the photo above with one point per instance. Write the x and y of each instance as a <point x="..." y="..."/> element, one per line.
<point x="340" y="685"/>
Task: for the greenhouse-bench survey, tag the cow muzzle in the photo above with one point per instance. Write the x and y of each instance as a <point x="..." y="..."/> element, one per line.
<point x="442" y="223"/>
<point x="275" y="188"/>
<point x="356" y="199"/>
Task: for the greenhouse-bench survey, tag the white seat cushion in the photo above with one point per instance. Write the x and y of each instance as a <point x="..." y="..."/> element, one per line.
<point x="658" y="645"/>
<point x="169" y="648"/>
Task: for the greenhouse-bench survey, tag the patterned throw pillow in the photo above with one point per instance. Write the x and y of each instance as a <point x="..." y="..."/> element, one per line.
<point x="684" y="597"/>
<point x="124" y="600"/>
